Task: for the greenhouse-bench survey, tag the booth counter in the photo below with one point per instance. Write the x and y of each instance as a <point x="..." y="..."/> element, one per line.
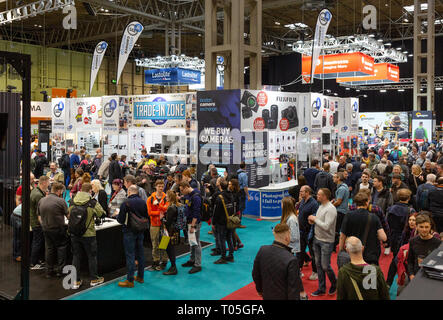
<point x="265" y="202"/>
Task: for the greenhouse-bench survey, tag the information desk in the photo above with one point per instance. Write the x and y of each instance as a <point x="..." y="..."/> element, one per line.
<point x="265" y="202"/>
<point x="110" y="251"/>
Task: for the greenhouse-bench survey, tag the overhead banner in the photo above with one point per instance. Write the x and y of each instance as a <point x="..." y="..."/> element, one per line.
<point x="166" y="110"/>
<point x="130" y="37"/>
<point x="86" y="113"/>
<point x="383" y="73"/>
<point x="269" y="111"/>
<point x="339" y="65"/>
<point x="58" y="115"/>
<point x="323" y="21"/>
<point x="422" y="125"/>
<point x="172" y="76"/>
<point x="111" y="117"/>
<point x="374" y="122"/>
<point x="99" y="53"/>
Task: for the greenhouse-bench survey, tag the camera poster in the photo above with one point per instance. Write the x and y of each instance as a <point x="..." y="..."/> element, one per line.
<point x="86" y="112"/>
<point x="269" y="111"/>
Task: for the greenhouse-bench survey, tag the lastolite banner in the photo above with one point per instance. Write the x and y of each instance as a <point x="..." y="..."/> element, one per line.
<point x="339" y="65"/>
<point x="383" y="73"/>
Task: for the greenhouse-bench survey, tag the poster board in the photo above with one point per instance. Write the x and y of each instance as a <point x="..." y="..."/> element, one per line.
<point x="422" y="125"/>
<point x="372" y="123"/>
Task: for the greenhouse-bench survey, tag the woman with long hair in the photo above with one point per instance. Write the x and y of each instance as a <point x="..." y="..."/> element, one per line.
<point x="117" y="198"/>
<point x="76" y="183"/>
<point x="234" y="188"/>
<point x="416" y="178"/>
<point x="169" y="221"/>
<point x="290" y="218"/>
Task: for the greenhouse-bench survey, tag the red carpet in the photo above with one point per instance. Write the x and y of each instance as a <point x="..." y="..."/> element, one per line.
<point x="249" y="293"/>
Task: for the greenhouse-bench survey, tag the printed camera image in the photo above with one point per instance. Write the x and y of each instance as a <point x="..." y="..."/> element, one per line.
<point x="290" y="113"/>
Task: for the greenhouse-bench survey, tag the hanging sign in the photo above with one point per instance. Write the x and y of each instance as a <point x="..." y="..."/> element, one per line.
<point x="323" y="21"/>
<point x="383" y="73"/>
<point x="172" y="76"/>
<point x="130" y="37"/>
<point x="339" y="65"/>
<point x="168" y="110"/>
<point x="97" y="59"/>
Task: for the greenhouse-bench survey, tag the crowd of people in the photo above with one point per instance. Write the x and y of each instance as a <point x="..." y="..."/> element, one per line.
<point x="152" y="200"/>
<point x="388" y="198"/>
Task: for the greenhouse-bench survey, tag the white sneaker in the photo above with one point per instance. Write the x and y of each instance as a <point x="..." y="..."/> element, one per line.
<point x="313" y="276"/>
<point x="37" y="267"/>
<point x="387" y="251"/>
<point x="76" y="285"/>
<point x="97" y="281"/>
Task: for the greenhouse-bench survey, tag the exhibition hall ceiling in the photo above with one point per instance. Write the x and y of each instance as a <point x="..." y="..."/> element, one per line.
<point x="284" y="21"/>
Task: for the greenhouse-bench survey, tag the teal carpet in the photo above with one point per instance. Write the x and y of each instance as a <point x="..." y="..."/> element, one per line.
<point x="213" y="283"/>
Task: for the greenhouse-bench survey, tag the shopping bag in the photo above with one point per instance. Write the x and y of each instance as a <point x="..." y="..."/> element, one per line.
<point x="164" y="241"/>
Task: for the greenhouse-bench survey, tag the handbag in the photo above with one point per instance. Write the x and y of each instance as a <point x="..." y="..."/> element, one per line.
<point x="343" y="257"/>
<point x="232" y="222"/>
<point x="134" y="223"/>
<point x="165" y="240"/>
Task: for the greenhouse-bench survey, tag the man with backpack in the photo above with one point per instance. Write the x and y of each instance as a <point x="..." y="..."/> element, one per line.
<point x="193" y="203"/>
<point x="436" y="205"/>
<point x="324" y="180"/>
<point x="157" y="206"/>
<point x="423" y="190"/>
<point x="134" y="217"/>
<point x="82" y="212"/>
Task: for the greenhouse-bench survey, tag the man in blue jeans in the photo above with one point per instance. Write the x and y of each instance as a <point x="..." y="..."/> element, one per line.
<point x="193" y="203"/>
<point x="324" y="237"/>
<point x="132" y="240"/>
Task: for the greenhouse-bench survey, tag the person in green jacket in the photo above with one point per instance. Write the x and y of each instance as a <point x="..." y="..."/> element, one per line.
<point x="38" y="240"/>
<point x="88" y="241"/>
<point x="358" y="280"/>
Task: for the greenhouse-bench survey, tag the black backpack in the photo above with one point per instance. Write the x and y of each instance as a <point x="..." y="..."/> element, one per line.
<point x="323" y="180"/>
<point x="205" y="210"/>
<point x="78" y="216"/>
<point x="88" y="167"/>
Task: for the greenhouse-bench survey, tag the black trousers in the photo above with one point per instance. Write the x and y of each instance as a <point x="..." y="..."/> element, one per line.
<point x="170" y="250"/>
<point x="89" y="244"/>
<point x="340" y="217"/>
<point x="56" y="242"/>
<point x="38" y="245"/>
<point x="302" y="255"/>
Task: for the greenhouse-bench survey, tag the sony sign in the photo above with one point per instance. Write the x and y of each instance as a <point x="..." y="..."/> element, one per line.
<point x="32" y="9"/>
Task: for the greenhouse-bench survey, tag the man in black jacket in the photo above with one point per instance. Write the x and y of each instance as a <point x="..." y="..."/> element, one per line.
<point x="223" y="205"/>
<point x="276" y="270"/>
<point x="115" y="171"/>
<point x="380" y="195"/>
<point x="436" y="204"/>
<point x="324" y="179"/>
<point x="133" y="241"/>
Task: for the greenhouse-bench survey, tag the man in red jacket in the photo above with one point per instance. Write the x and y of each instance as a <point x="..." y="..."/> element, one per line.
<point x="157" y="207"/>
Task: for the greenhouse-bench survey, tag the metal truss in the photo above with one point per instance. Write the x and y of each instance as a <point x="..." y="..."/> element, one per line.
<point x="358" y="43"/>
<point x="405" y="83"/>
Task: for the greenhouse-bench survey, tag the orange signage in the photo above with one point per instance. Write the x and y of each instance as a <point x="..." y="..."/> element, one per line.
<point x="383" y="73"/>
<point x="339" y="65"/>
<point x="61" y="93"/>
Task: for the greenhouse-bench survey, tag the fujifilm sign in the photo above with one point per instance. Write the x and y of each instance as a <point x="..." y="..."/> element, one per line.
<point x="32" y="9"/>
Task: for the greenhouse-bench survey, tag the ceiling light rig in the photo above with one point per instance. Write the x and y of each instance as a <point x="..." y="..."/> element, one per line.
<point x="172" y="61"/>
<point x="358" y="43"/>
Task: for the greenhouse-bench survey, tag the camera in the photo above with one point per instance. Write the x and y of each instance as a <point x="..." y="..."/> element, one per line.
<point x="246" y="112"/>
<point x="250" y="101"/>
<point x="266" y="117"/>
<point x="290" y="113"/>
<point x="270" y="118"/>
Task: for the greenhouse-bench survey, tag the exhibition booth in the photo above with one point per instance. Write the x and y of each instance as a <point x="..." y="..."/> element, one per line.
<point x="277" y="134"/>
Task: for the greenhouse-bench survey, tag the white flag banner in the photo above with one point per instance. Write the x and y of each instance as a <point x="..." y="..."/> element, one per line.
<point x="130" y="37"/>
<point x="323" y="21"/>
<point x="99" y="53"/>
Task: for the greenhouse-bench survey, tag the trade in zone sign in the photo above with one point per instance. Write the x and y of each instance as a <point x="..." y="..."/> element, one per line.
<point x="159" y="111"/>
